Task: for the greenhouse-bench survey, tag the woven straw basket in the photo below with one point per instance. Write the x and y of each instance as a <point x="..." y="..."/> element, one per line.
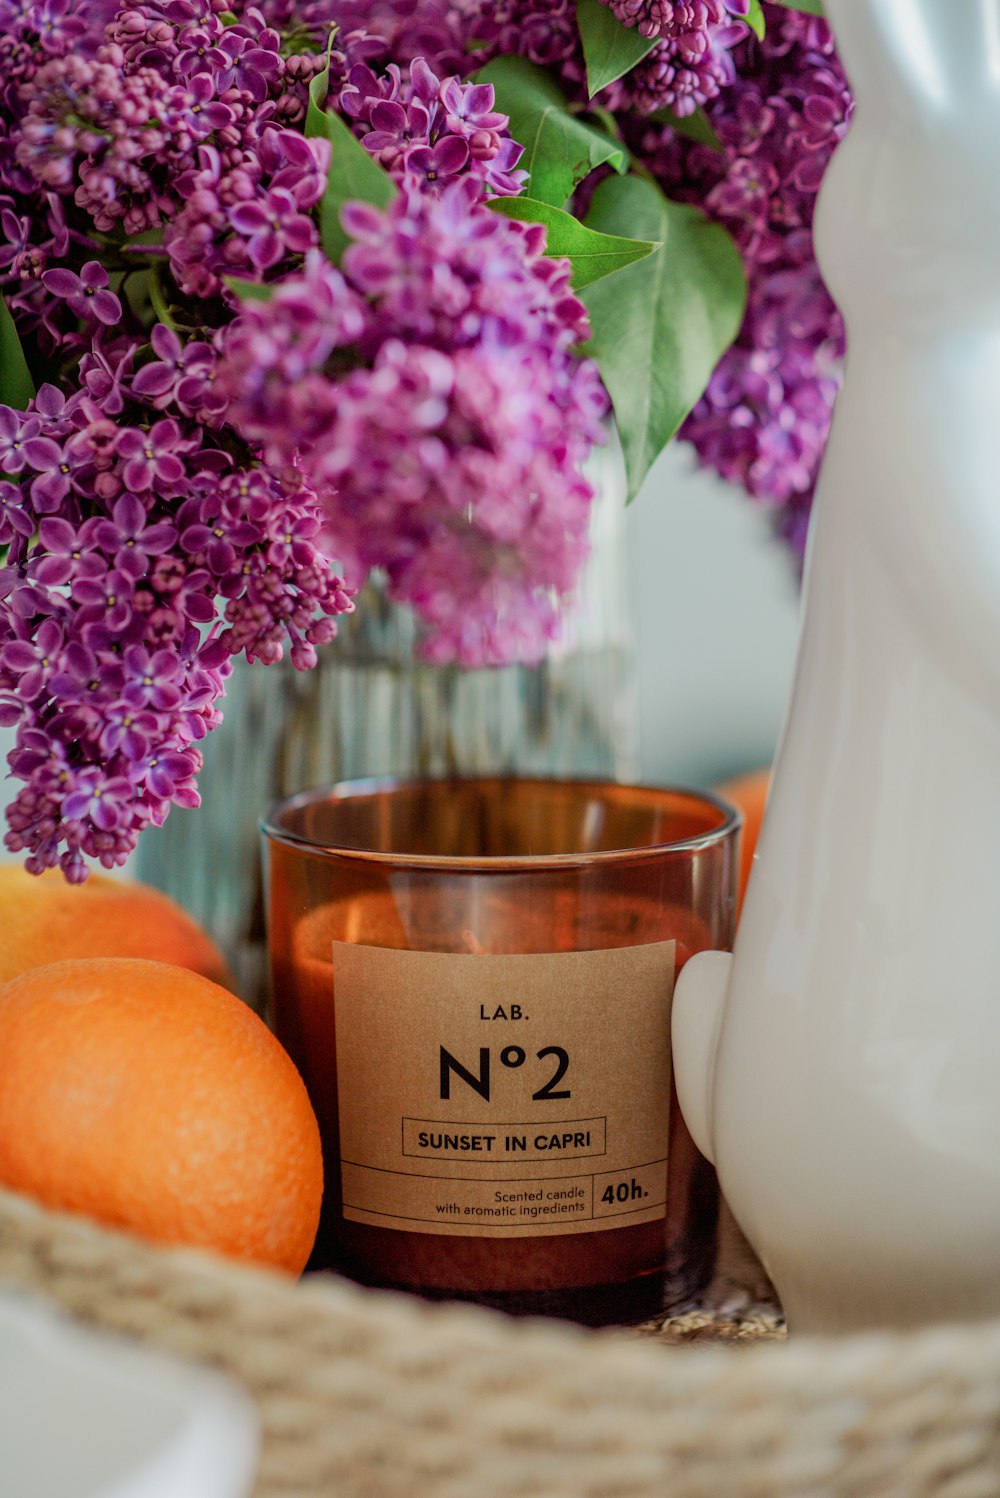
<point x="367" y="1395"/>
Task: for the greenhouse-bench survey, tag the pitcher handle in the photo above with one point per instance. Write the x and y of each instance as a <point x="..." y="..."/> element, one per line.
<point x="699" y="1001"/>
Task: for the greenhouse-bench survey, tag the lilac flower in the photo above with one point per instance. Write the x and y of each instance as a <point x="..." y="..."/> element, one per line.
<point x="157" y="381"/>
<point x="130" y="540"/>
<point x="397" y="30"/>
<point x="423" y="410"/>
<point x="34" y="31"/>
<point x="197" y="393"/>
<point x="213" y="527"/>
<point x="130" y="733"/>
<point x="32" y="661"/>
<point x="255" y="62"/>
<point x="201" y="53"/>
<point x="86" y="293"/>
<point x="65" y="552"/>
<point x="765" y="415"/>
<point x="195" y="109"/>
<point x="52" y="482"/>
<point x="88" y="119"/>
<point x="433" y="165"/>
<point x="764" y="420"/>
<point x="820" y="127"/>
<point x="100" y="799"/>
<point x="81" y="677"/>
<point x="104" y="373"/>
<point x="291" y="539"/>
<point x="114" y="638"/>
<point x="16" y="523"/>
<point x="269" y="351"/>
<point x="168" y="774"/>
<point x="433" y="129"/>
<point x="172" y="125"/>
<point x="468" y="109"/>
<point x="105" y="600"/>
<point x="204" y="243"/>
<point x="684" y="19"/>
<point x="450" y="456"/>
<point x="16" y="249"/>
<point x="55" y="23"/>
<point x="190" y="39"/>
<point x="682" y="73"/>
<point x="14" y="432"/>
<point x="273" y="228"/>
<point x="152" y="457"/>
<point x="152" y="679"/>
<point x="544" y="31"/>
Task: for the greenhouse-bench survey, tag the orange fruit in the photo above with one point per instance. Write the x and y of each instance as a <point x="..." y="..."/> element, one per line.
<point x="749" y="793"/>
<point x="44" y="919"/>
<point x="155" y="1101"/>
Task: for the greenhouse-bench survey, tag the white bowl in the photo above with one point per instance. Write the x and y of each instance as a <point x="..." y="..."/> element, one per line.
<point x="86" y="1414"/>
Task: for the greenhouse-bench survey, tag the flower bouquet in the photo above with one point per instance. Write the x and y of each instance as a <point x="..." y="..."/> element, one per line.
<point x="301" y="290"/>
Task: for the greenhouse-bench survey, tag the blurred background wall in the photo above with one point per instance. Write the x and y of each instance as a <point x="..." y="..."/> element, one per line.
<point x="715" y="606"/>
<point x="716" y="616"/>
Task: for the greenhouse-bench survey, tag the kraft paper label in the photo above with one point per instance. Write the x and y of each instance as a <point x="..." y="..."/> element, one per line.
<point x="511" y="1096"/>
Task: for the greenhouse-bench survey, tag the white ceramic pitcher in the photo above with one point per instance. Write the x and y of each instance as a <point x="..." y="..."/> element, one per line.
<point x="843" y="1067"/>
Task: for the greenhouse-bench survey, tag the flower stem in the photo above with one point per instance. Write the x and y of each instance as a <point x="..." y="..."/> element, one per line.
<point x="158" y="299"/>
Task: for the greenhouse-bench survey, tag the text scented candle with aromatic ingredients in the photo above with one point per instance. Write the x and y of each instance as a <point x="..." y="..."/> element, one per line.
<point x="475" y="978"/>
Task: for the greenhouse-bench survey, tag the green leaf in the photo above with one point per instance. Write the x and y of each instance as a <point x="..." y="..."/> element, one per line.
<point x="138" y="293"/>
<point x="593" y="255"/>
<point x="151" y="239"/>
<point x="16" y="385"/>
<point x="159" y="296"/>
<point x="696" y="126"/>
<point x="755" y="19"/>
<point x="319" y="88"/>
<point x="661" y="326"/>
<point x="609" y="49"/>
<point x="354" y="174"/>
<point x="808" y="7"/>
<point x="249" y="291"/>
<point x="559" y="149"/>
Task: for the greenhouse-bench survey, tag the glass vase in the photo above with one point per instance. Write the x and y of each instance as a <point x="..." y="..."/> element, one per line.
<point x="372" y="708"/>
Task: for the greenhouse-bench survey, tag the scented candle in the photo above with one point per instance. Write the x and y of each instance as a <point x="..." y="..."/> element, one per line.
<point x="474" y="978"/>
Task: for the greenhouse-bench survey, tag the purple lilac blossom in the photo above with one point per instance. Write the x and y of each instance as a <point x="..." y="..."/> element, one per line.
<point x="394" y="30"/>
<point x="431" y="129"/>
<point x="423" y="410"/>
<point x="226" y="224"/>
<point x="686" y="21"/>
<point x="689" y="65"/>
<point x="87" y="293"/>
<point x="450" y="454"/>
<point x="543" y="31"/>
<point x="780" y="108"/>
<point x="681" y="74"/>
<point x="764" y="420"/>
<point x="34" y="234"/>
<point x="141" y="558"/>
<point x="179" y="124"/>
<point x="691" y="62"/>
<point x="146" y="544"/>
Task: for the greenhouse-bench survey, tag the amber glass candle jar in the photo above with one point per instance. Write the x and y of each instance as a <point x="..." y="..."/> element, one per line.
<point x="474" y="978"/>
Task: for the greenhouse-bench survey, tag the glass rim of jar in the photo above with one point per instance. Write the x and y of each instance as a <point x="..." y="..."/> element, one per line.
<point x="731" y="821"/>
